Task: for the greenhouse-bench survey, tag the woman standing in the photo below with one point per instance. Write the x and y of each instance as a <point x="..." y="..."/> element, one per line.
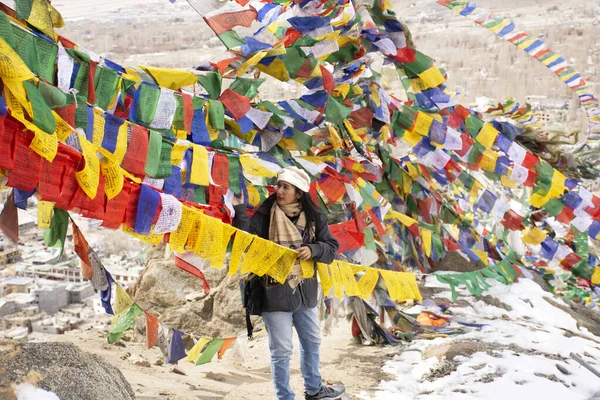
<point x="290" y="218"/>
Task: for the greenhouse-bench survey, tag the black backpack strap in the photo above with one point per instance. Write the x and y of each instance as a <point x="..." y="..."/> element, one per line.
<point x="249" y="327"/>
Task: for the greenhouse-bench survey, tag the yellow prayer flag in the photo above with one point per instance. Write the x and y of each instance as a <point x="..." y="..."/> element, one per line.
<point x="151" y="238"/>
<point x="596" y="276"/>
<point x="218" y="258"/>
<point x="538" y="201"/>
<point x="336" y="280"/>
<point x="341" y="90"/>
<point x="253" y="167"/>
<point x="402" y="218"/>
<point x="178" y="238"/>
<point x="211" y="236"/>
<point x="367" y="282"/>
<point x="254" y="255"/>
<point x="121" y="146"/>
<point x="89" y="177"/>
<point x="334" y="138"/>
<point x="432" y="77"/>
<point x="534" y="237"/>
<point x="423" y="123"/>
<point x="282" y="268"/>
<point x="324" y="277"/>
<point x="426" y="235"/>
<point x="507" y="182"/>
<point x="308" y="268"/>
<point x="483" y="256"/>
<point x="113" y="177"/>
<point x="487" y="135"/>
<point x="98" y="127"/>
<point x="122" y="301"/>
<point x="44" y="212"/>
<point x="195" y="352"/>
<point x="12" y="67"/>
<point x="348" y="280"/>
<point x="252" y="61"/>
<point x="240" y="243"/>
<point x="178" y="151"/>
<point x="488" y="160"/>
<point x="199" y="170"/>
<point x="276" y="69"/>
<point x="173" y="79"/>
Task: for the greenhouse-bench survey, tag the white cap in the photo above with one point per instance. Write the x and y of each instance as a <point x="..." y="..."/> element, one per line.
<point x="296" y="177"/>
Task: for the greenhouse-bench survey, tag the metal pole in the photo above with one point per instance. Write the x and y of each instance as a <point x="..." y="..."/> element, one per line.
<point x="580" y="360"/>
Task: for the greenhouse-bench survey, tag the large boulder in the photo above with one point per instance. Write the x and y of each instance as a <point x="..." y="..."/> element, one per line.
<point x="178" y="298"/>
<point x="454" y="262"/>
<point x="61" y="368"/>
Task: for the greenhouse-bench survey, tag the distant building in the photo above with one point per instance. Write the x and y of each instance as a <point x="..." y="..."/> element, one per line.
<point x="15" y="285"/>
<point x="52" y="298"/>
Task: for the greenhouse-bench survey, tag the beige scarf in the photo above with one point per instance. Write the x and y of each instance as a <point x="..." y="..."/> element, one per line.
<point x="284" y="232"/>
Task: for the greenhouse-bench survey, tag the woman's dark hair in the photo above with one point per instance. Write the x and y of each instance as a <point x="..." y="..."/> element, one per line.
<point x="311" y="210"/>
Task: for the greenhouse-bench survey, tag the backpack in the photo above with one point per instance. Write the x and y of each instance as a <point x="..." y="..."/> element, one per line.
<point x="253" y="295"/>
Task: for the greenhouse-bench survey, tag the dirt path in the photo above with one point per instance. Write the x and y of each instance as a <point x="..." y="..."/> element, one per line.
<point x="244" y="372"/>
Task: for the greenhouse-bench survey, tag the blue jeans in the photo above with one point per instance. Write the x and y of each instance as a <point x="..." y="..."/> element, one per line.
<point x="279" y="328"/>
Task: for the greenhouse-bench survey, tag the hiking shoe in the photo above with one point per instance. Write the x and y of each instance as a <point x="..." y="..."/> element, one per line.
<point x="327" y="392"/>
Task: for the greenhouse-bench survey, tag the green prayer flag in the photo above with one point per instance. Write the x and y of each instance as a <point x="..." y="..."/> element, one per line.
<point x="345" y="54"/>
<point x="404" y="118"/>
<point x="6" y="31"/>
<point x="246" y="87"/>
<point x="336" y="112"/>
<point x="231" y="39"/>
<point x="148" y="101"/>
<point x="293" y="60"/>
<point x="25" y="48"/>
<point x="234" y="173"/>
<point x="81" y="114"/>
<point x="473" y="125"/>
<point x="216" y="114"/>
<point x="23" y="8"/>
<point x="42" y="115"/>
<point x="154" y="149"/>
<point x="209" y="351"/>
<point x="200" y="195"/>
<point x="125" y="322"/>
<point x="438" y="245"/>
<point x="165" y="168"/>
<point x="56" y="234"/>
<point x="369" y="239"/>
<point x="54" y="97"/>
<point x="211" y="82"/>
<point x="178" y="118"/>
<point x="106" y="83"/>
<point x="46" y="53"/>
<point x="553" y="207"/>
<point x="303" y="141"/>
<point x="421" y="64"/>
<point x="475" y="154"/>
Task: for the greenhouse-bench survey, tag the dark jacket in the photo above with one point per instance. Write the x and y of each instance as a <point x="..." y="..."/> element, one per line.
<point x="324" y="249"/>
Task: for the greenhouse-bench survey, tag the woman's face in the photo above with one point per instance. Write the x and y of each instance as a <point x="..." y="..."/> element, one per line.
<point x="286" y="193"/>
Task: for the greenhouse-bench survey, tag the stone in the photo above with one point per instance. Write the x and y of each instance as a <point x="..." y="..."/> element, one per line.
<point x="177" y="371"/>
<point x="65" y="370"/>
<point x="143" y="363"/>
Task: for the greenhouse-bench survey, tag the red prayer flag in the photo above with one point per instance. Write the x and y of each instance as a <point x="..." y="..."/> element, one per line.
<point x="227" y="21"/>
<point x="82" y="249"/>
<point x="9" y="219"/>
<point x="25" y="174"/>
<point x="137" y="151"/>
<point x="237" y="104"/>
<point x="189" y="268"/>
<point x="226" y="344"/>
<point x="151" y="330"/>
